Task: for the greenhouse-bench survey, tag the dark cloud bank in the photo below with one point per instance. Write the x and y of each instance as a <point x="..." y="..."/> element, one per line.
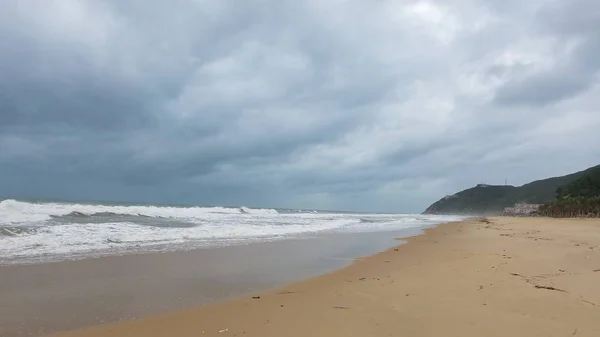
<point x="364" y="105"/>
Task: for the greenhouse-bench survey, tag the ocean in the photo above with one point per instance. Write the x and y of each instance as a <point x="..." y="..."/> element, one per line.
<point x="36" y="232"/>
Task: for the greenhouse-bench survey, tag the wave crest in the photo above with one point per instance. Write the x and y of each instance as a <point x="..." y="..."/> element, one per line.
<point x="22" y="212"/>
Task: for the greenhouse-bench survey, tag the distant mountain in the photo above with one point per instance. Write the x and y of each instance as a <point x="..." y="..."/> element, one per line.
<point x="492" y="199"/>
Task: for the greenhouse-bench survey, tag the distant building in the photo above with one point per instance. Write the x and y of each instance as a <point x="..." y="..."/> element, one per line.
<point x="521" y="209"/>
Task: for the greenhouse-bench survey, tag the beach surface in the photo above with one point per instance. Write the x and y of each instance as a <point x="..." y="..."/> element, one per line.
<point x="505" y="277"/>
<point x="42" y="298"/>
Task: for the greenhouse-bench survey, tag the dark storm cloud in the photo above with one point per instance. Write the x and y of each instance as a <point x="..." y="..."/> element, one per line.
<point x="545" y="88"/>
<point x="576" y="25"/>
<point x="357" y="105"/>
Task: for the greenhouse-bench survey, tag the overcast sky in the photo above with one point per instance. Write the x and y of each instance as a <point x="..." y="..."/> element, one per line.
<point x="380" y="105"/>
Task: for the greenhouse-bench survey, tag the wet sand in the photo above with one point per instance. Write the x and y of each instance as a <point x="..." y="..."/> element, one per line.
<point x="511" y="277"/>
<point x="43" y="298"/>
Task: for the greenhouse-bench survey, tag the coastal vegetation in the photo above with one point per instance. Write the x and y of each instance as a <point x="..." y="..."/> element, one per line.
<point x="578" y="207"/>
<point x="579" y="198"/>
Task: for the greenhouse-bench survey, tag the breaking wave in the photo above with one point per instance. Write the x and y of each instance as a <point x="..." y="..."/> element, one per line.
<point x="15" y="212"/>
<point x="30" y="230"/>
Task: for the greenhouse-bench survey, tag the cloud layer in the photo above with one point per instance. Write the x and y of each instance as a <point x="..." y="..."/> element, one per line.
<point x="363" y="105"/>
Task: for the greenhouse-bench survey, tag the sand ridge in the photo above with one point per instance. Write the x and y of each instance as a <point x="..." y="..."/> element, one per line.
<point x="496" y="277"/>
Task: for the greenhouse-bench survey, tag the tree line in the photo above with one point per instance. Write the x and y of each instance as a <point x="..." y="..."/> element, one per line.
<point x="578" y="199"/>
<point x="572" y="207"/>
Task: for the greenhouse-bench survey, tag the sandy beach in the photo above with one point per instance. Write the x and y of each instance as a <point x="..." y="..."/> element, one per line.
<point x="505" y="277"/>
<point x="42" y="298"/>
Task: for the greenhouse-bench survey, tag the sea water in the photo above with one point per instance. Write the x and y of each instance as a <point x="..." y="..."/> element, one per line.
<point x="53" y="231"/>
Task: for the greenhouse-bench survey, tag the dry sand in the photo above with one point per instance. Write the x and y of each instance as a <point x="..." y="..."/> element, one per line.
<point x="511" y="277"/>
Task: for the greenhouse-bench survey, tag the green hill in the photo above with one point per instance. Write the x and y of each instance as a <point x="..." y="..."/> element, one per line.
<point x="586" y="186"/>
<point x="492" y="199"/>
<point x="578" y="198"/>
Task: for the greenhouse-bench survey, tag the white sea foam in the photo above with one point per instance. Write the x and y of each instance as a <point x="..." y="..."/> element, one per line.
<point x="257" y="211"/>
<point x="60" y="230"/>
<point x="17" y="212"/>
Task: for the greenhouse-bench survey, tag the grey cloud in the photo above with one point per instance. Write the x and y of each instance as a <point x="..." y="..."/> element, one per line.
<point x="364" y="105"/>
<point x="570" y="18"/>
<point x="542" y="89"/>
<point x="569" y="23"/>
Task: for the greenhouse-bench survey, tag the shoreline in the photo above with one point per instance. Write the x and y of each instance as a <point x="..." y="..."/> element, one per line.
<point x="37" y="299"/>
<point x="518" y="277"/>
